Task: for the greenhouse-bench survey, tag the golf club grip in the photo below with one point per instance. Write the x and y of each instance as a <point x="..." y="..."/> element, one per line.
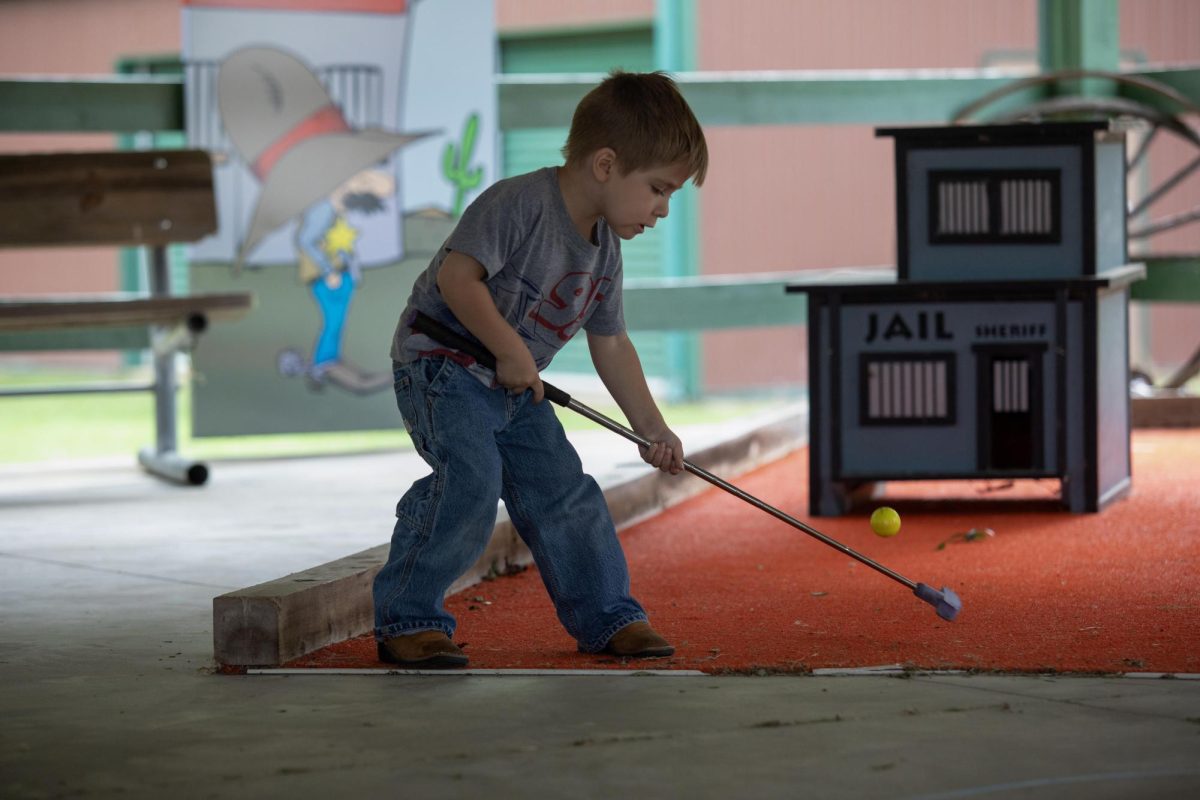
<point x="440" y="333"/>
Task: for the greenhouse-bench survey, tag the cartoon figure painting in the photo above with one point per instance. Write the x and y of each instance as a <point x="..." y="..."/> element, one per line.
<point x="344" y="146"/>
<point x="312" y="167"/>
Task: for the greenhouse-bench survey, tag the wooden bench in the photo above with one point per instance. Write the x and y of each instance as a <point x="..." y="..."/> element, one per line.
<point x="145" y="199"/>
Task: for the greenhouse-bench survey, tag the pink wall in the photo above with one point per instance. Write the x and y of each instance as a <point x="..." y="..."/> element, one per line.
<point x="78" y="36"/>
<point x="860" y="34"/>
<point x="527" y="14"/>
<point x="73" y="37"/>
<point x="784" y="198"/>
<point x="1167" y="31"/>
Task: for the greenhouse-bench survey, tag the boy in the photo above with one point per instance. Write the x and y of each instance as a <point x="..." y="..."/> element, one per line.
<point x="532" y="260"/>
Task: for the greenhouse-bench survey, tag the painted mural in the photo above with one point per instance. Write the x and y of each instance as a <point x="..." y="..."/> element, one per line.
<point x="345" y="143"/>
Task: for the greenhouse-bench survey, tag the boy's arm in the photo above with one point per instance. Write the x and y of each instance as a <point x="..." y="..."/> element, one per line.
<point x="460" y="279"/>
<point x="620" y="369"/>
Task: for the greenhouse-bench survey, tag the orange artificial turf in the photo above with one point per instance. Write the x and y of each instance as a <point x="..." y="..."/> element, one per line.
<point x="736" y="590"/>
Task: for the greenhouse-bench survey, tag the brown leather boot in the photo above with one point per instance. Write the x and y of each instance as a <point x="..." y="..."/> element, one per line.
<point x="638" y="640"/>
<point x="423" y="650"/>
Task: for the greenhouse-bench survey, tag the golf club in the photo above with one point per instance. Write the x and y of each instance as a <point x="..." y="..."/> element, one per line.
<point x="945" y="601"/>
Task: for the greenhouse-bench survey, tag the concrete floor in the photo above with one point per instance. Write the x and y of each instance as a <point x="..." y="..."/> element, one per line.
<point x="107" y="689"/>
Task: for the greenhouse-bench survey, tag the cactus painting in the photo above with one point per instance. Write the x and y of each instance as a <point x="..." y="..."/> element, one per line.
<point x="455" y="165"/>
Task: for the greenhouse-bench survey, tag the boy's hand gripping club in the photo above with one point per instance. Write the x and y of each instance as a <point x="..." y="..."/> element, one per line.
<point x="945" y="602"/>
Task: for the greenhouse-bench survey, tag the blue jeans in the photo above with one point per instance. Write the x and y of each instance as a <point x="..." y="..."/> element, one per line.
<point x="485" y="445"/>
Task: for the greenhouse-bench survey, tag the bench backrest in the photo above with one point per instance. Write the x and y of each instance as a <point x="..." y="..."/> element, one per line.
<point x="106" y="198"/>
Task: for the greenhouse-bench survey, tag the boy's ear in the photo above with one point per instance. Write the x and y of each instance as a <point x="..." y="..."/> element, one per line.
<point x="604" y="163"/>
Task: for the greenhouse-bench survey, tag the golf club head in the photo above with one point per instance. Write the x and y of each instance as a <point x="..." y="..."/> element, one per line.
<point x="946" y="602"/>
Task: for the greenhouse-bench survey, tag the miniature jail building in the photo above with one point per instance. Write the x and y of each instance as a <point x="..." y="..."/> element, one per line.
<point x="1002" y="349"/>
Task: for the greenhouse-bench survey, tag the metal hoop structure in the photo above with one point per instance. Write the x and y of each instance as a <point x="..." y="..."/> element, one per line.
<point x="1157" y="107"/>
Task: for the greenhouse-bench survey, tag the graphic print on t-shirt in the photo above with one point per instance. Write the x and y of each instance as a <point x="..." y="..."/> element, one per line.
<point x="569" y="303"/>
<point x="550" y="320"/>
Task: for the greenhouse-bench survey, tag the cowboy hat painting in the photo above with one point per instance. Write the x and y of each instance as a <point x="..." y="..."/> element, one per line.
<point x="291" y="135"/>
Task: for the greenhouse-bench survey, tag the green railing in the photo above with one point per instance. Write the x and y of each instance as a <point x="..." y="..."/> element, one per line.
<point x="155" y="103"/>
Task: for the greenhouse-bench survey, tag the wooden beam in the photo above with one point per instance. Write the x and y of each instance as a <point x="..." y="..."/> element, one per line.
<point x="1079" y="34"/>
<point x="716" y="302"/>
<point x="805" y="97"/>
<point x="118" y="198"/>
<point x="775" y="98"/>
<point x="719" y="302"/>
<point x="133" y="337"/>
<point x="675" y="52"/>
<point x="1179" y="411"/>
<point x="106" y="103"/>
<point x="1169" y="279"/>
<point x="118" y="311"/>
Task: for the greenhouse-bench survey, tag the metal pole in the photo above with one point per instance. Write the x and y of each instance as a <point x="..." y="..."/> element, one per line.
<point x="164" y="362"/>
<point x="163" y="460"/>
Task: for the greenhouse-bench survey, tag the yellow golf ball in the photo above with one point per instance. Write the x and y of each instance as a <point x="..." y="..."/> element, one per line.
<point x="885" y="521"/>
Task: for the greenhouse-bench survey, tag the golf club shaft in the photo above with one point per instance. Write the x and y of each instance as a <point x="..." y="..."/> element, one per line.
<point x="700" y="472"/>
<point x="435" y="330"/>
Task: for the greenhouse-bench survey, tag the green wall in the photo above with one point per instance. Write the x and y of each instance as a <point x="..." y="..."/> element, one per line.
<point x="592" y="50"/>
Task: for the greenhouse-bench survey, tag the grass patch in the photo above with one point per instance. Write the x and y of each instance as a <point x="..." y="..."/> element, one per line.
<point x="83" y="426"/>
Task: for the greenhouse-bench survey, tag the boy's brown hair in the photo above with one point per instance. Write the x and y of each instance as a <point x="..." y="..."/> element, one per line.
<point x="644" y="119"/>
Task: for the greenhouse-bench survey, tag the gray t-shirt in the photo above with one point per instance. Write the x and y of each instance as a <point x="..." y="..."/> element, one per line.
<point x="545" y="278"/>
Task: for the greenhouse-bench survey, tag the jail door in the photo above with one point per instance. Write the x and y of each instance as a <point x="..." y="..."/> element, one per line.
<point x="1010" y="385"/>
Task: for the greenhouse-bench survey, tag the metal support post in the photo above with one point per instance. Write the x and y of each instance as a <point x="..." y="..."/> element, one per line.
<point x="163" y="460"/>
